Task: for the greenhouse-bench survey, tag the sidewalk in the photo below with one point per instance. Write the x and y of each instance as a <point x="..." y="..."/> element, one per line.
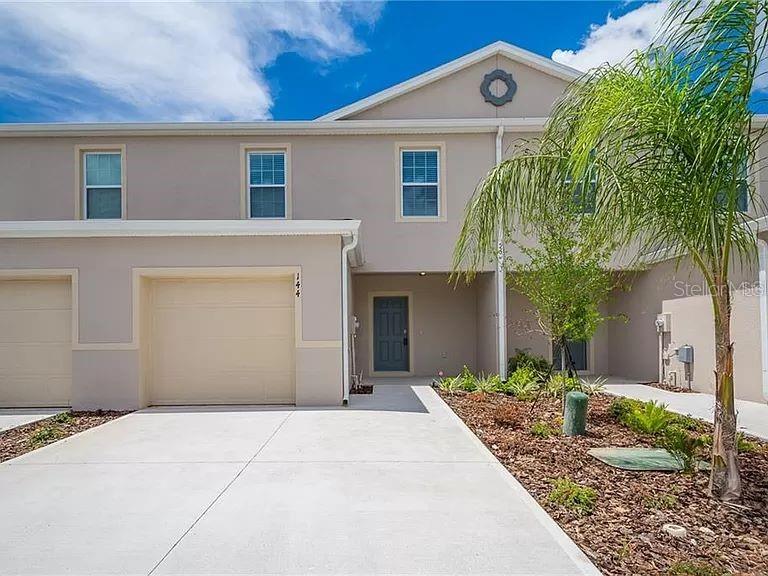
<point x="752" y="416"/>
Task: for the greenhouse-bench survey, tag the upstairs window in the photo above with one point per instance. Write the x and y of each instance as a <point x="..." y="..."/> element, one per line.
<point x="102" y="185"/>
<point x="266" y="185"/>
<point x="584" y="195"/>
<point x="420" y="183"/>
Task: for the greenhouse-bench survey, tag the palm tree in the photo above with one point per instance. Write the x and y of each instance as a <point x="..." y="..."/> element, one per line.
<point x="661" y="147"/>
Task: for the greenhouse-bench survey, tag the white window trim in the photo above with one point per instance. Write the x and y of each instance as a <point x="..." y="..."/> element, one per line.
<point x="439" y="147"/>
<point x="245" y="194"/>
<point x="81" y="203"/>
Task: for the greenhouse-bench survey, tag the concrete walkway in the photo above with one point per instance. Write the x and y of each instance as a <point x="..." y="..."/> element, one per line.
<point x="394" y="483"/>
<point x="13" y="417"/>
<point x="752" y="416"/>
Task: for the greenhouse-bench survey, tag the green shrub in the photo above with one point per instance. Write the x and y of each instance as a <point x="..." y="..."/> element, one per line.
<point x="554" y="386"/>
<point x="650" y="418"/>
<point x="523" y="382"/>
<point x="575" y="497"/>
<point x="45" y="435"/>
<point x="523" y="358"/>
<point x="63" y="418"/>
<point x="661" y="501"/>
<point x="688" y="423"/>
<point x="488" y="384"/>
<point x="621" y="408"/>
<point x="467" y="380"/>
<point x="683" y="445"/>
<point x="695" y="569"/>
<point x="449" y="384"/>
<point x="746" y="446"/>
<point x="541" y="430"/>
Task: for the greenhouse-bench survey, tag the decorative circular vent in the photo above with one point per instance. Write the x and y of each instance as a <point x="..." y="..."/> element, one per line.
<point x="504" y="78"/>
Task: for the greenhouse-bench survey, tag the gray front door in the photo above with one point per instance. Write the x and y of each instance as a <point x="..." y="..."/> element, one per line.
<point x="390" y="334"/>
<point x="578" y="350"/>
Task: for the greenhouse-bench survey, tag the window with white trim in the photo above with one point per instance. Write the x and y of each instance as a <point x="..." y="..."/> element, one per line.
<point x="266" y="184"/>
<point x="420" y="183"/>
<point x="102" y="185"/>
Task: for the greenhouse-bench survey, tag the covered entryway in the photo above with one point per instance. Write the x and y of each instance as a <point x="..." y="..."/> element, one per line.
<point x="35" y="342"/>
<point x="221" y="340"/>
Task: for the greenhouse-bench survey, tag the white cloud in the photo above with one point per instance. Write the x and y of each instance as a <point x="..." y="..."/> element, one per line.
<point x="181" y="60"/>
<point x="614" y="40"/>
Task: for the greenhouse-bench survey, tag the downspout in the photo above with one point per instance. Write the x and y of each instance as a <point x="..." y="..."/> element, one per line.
<point x="762" y="248"/>
<point x="346" y="249"/>
<point x="501" y="285"/>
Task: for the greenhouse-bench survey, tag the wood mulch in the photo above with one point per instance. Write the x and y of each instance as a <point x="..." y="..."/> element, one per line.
<point x="23" y="439"/>
<point x="669" y="388"/>
<point x="623" y="535"/>
<point x="361" y="389"/>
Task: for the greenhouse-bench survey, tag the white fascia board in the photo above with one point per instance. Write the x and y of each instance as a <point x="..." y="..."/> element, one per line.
<point x="165" y="228"/>
<point x="289" y="128"/>
<point x="526" y="57"/>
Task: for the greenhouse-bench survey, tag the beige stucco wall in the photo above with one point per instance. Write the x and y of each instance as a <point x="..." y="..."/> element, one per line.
<point x="634" y="346"/>
<point x="458" y="95"/>
<point x="693" y="324"/>
<point x="444" y="332"/>
<point x="487" y="323"/>
<point x="194" y="177"/>
<point x="107" y="371"/>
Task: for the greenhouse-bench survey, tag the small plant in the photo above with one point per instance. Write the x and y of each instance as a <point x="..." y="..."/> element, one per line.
<point x="524" y="358"/>
<point x="621" y="408"/>
<point x="573" y="496"/>
<point x="467" y="380"/>
<point x="523" y="382"/>
<point x="449" y="385"/>
<point x="661" y="501"/>
<point x="689" y="423"/>
<point x="591" y="387"/>
<point x="559" y="384"/>
<point x="652" y="418"/>
<point x="63" y="418"/>
<point x="541" y="430"/>
<point x="506" y="415"/>
<point x="45" y="435"/>
<point x="683" y="445"/>
<point x="695" y="569"/>
<point x="488" y="385"/>
<point x="746" y="446"/>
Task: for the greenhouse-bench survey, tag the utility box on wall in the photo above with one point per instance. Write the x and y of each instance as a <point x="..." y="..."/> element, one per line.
<point x="685" y="354"/>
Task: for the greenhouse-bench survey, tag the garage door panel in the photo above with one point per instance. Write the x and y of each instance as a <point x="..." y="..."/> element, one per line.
<point x="222" y="341"/>
<point x="40" y="325"/>
<point x="223" y="354"/>
<point x="35" y="342"/>
<point x="30" y="390"/>
<point x="35" y="359"/>
<point x="232" y="322"/>
<point x="222" y="293"/>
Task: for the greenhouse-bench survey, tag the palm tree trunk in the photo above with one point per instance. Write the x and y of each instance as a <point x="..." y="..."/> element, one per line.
<point x="724" y="481"/>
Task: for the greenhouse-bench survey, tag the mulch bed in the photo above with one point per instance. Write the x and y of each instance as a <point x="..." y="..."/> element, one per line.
<point x="669" y="388"/>
<point x="623" y="535"/>
<point x="23" y="439"/>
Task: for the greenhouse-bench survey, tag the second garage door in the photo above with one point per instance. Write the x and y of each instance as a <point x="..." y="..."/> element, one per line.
<point x="222" y="341"/>
<point x="35" y="342"/>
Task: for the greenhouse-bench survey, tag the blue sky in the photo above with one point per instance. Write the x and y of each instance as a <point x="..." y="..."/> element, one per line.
<point x="285" y="61"/>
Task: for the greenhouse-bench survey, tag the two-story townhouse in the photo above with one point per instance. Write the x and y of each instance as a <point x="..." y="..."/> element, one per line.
<point x="254" y="262"/>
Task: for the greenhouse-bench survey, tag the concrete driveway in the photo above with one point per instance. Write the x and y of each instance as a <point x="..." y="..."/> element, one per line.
<point x="392" y="484"/>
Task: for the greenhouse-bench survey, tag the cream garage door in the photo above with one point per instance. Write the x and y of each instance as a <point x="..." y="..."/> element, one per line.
<point x="222" y="341"/>
<point x="35" y="342"/>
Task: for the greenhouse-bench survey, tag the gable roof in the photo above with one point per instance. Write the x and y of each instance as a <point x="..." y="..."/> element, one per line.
<point x="531" y="59"/>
